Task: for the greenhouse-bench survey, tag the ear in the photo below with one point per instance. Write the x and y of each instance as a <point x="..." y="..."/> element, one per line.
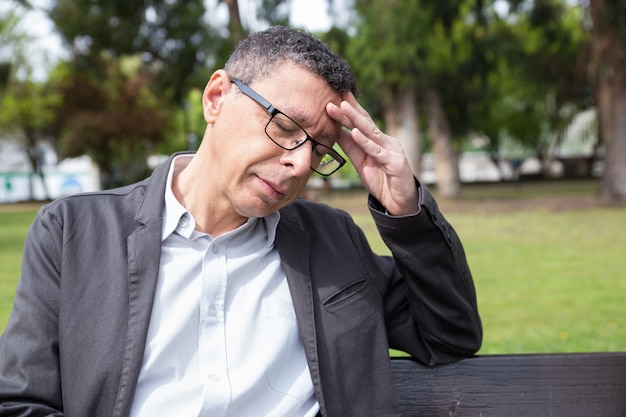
<point x="213" y="97"/>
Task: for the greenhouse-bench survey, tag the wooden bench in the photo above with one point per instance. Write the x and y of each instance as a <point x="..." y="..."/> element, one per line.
<point x="550" y="385"/>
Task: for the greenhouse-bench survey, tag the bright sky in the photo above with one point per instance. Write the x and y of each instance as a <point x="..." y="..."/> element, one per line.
<point x="310" y="14"/>
<point x="46" y="46"/>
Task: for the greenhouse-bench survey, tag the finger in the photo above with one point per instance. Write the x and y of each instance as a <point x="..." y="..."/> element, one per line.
<point x="345" y="139"/>
<point x="361" y="120"/>
<point x="349" y="97"/>
<point x="364" y="136"/>
<point x="352" y="149"/>
<point x="367" y="142"/>
<point x="349" y="112"/>
<point x="337" y="114"/>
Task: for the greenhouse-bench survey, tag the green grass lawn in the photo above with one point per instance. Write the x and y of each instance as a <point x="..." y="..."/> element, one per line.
<point x="14" y="222"/>
<point x="549" y="281"/>
<point x="549" y="264"/>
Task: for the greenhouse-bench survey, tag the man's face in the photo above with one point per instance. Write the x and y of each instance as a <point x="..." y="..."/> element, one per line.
<point x="248" y="171"/>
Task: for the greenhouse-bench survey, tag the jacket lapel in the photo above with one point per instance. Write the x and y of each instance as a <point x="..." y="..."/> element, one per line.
<point x="144" y="253"/>
<point x="295" y="263"/>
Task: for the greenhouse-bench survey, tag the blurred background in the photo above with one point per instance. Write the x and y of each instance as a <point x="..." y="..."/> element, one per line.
<point x="513" y="112"/>
<point x="93" y="93"/>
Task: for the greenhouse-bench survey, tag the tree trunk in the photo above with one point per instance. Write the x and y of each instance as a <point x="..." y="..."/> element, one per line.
<point x="237" y="34"/>
<point x="607" y="72"/>
<point x="401" y="122"/>
<point x="36" y="159"/>
<point x="613" y="131"/>
<point x="446" y="160"/>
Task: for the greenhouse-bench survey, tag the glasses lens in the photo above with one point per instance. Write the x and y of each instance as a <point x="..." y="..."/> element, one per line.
<point x="287" y="134"/>
<point x="324" y="162"/>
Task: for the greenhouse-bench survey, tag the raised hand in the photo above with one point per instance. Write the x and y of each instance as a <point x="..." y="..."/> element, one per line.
<point x="378" y="158"/>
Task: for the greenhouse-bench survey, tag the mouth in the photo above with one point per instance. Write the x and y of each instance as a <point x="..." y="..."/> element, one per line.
<point x="273" y="189"/>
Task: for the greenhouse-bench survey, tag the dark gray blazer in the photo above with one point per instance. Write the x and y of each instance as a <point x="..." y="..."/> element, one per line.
<point x="74" y="343"/>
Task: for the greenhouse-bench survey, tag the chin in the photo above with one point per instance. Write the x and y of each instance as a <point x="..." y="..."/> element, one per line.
<point x="259" y="211"/>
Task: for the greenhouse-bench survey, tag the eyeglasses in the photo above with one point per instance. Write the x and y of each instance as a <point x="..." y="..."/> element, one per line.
<point x="286" y="133"/>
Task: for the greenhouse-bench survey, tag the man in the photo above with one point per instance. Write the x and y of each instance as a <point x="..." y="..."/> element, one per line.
<point x="209" y="289"/>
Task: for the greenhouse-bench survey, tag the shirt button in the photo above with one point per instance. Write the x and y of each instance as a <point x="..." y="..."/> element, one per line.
<point x="184" y="222"/>
<point x="214" y="378"/>
<point x="212" y="310"/>
<point x="215" y="248"/>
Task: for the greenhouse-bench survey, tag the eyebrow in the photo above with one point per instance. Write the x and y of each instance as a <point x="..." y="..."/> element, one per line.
<point x="327" y="139"/>
<point x="295" y="114"/>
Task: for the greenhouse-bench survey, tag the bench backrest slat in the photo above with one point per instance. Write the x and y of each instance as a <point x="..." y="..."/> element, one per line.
<point x="550" y="385"/>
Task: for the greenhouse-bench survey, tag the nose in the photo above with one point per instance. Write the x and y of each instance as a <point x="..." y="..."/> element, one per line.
<point x="299" y="159"/>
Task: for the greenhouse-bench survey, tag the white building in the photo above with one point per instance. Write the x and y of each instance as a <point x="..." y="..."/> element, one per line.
<point x="66" y="177"/>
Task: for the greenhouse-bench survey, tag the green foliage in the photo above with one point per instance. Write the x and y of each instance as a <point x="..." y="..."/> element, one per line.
<point x="8" y="36"/>
<point x="517" y="75"/>
<point x="614" y="14"/>
<point x="174" y="41"/>
<point x="117" y="121"/>
<point x="29" y="107"/>
<point x="125" y="88"/>
<point x="274" y="12"/>
<point x="187" y="128"/>
<point x="508" y="77"/>
<point x="459" y="65"/>
<point x="388" y="49"/>
<point x="536" y="83"/>
<point x="13" y="47"/>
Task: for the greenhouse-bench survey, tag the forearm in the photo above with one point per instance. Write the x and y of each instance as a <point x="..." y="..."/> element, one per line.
<point x="432" y="300"/>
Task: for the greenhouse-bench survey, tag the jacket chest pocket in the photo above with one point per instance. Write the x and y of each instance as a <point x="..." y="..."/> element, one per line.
<point x="352" y="315"/>
<point x="345" y="295"/>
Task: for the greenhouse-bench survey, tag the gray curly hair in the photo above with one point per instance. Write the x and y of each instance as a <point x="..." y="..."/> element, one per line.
<point x="261" y="53"/>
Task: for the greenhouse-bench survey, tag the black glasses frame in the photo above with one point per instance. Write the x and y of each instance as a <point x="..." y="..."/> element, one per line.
<point x="273" y="111"/>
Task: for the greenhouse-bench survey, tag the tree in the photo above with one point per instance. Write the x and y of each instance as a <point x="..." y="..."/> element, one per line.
<point x="540" y="82"/>
<point x="387" y="54"/>
<point x="607" y="72"/>
<point x="420" y="52"/>
<point x="475" y="69"/>
<point x="456" y="68"/>
<point x="169" y="43"/>
<point x="28" y="109"/>
<point x="117" y="123"/>
<point x="171" y="37"/>
<point x="28" y="106"/>
<point x="9" y="36"/>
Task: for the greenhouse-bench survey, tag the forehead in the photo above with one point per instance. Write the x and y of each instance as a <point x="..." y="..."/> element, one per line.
<point x="303" y="96"/>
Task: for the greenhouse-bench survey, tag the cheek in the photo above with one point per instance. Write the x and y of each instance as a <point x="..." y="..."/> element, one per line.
<point x="238" y="146"/>
<point x="303" y="182"/>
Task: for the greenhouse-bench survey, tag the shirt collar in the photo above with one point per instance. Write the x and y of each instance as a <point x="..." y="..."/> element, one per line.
<point x="271" y="224"/>
<point x="177" y="219"/>
<point x="173" y="212"/>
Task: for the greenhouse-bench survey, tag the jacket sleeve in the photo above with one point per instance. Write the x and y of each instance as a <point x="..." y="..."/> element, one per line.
<point x="29" y="362"/>
<point x="430" y="303"/>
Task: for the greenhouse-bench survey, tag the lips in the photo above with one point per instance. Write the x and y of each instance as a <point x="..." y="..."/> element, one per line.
<point x="274" y="189"/>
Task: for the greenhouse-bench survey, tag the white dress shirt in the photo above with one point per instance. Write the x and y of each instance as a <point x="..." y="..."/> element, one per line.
<point x="223" y="338"/>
